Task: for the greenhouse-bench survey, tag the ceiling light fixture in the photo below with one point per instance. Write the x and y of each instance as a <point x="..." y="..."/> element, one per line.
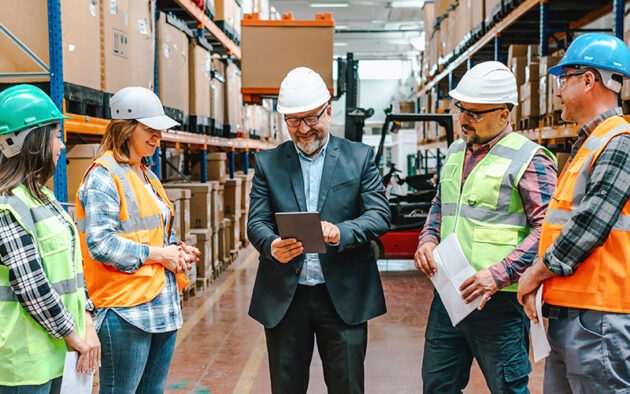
<point x="407" y="4"/>
<point x="329" y="5"/>
<point x="340" y="44"/>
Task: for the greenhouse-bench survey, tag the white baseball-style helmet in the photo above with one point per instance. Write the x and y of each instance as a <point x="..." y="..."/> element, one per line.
<point x="140" y="104"/>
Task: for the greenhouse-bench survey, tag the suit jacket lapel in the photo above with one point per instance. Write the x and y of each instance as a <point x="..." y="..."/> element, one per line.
<point x="330" y="162"/>
<point x="295" y="174"/>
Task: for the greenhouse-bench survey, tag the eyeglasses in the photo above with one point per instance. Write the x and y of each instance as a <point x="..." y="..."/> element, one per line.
<point x="310" y="120"/>
<point x="474" y="116"/>
<point x="563" y="78"/>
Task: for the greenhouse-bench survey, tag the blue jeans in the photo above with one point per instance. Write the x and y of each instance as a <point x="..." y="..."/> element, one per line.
<point x="133" y="360"/>
<point x="51" y="387"/>
<point x="497" y="337"/>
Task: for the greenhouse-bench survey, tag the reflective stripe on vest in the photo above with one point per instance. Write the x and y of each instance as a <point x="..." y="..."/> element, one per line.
<point x="486" y="211"/>
<point x="591" y="286"/>
<point x="30" y="355"/>
<point x="109" y="287"/>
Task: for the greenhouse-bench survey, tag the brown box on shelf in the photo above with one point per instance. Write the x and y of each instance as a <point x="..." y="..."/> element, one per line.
<point x="235" y="233"/>
<point x="246" y="187"/>
<point x="528" y="90"/>
<point x="117" y="46"/>
<point x="532" y="72"/>
<point x="216" y="167"/>
<point x="192" y="274"/>
<point x="202" y="196"/>
<point x="516" y="50"/>
<point x="281" y="48"/>
<point x="205" y="266"/>
<point x="215" y="245"/>
<point x="220" y="200"/>
<point x="79" y="158"/>
<point x="199" y="72"/>
<point x="80" y="29"/>
<point x="232" y="197"/>
<point x="173" y="65"/>
<point x="224" y="247"/>
<point x="243" y="227"/>
<point x="141" y="39"/>
<point x="477" y="12"/>
<point x="532" y="54"/>
<point x="530" y="107"/>
<point x="490" y="7"/>
<point x="518" y="65"/>
<point x="181" y="204"/>
<point x="218" y="91"/>
<point x="545" y="89"/>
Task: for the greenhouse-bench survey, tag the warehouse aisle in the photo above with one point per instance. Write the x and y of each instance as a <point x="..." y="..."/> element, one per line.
<point x="221" y="349"/>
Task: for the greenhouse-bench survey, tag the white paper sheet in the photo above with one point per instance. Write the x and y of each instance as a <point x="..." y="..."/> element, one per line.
<point x="540" y="344"/>
<point x="452" y="270"/>
<point x="73" y="382"/>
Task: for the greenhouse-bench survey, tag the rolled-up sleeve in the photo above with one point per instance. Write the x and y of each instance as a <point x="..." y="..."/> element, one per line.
<point x="101" y="202"/>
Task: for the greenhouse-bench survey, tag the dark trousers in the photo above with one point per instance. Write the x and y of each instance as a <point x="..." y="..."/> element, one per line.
<point x="342" y="347"/>
<point x="497" y="337"/>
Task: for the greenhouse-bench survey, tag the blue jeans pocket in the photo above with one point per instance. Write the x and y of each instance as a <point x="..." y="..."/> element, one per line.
<point x="517" y="369"/>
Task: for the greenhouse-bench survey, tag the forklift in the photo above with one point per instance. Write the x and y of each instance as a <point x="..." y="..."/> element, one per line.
<point x="409" y="211"/>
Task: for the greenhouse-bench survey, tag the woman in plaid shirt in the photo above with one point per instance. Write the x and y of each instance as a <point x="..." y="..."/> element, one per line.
<point x="133" y="262"/>
<point x="42" y="295"/>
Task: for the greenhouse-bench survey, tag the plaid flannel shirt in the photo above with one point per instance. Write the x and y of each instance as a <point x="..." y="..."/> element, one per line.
<point x="28" y="279"/>
<point x="607" y="192"/>
<point x="101" y="202"/>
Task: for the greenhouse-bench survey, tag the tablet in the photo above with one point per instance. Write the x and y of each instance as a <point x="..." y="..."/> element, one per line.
<point x="305" y="227"/>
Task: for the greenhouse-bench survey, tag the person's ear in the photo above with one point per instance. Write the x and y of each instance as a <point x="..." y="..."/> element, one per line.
<point x="589" y="80"/>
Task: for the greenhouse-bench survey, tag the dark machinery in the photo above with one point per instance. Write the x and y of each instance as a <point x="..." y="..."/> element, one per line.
<point x="410" y="211"/>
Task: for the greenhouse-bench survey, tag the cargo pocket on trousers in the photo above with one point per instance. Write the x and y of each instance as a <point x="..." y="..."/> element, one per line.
<point x="517" y="369"/>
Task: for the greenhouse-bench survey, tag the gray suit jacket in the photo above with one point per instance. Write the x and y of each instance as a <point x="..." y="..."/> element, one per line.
<point x="351" y="197"/>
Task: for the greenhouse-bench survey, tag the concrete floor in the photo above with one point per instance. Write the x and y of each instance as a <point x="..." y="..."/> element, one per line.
<point x="221" y="349"/>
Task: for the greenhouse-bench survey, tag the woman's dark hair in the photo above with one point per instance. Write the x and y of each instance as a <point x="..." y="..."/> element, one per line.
<point x="33" y="166"/>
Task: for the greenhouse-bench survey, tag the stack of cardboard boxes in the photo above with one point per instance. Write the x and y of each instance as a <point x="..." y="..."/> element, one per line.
<point x="246" y="187"/>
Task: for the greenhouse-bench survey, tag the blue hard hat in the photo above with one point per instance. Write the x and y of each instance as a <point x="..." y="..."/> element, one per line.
<point x="597" y="50"/>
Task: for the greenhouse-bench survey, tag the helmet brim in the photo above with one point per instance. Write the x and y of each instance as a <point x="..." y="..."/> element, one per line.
<point x="161" y="122"/>
<point x="476" y="100"/>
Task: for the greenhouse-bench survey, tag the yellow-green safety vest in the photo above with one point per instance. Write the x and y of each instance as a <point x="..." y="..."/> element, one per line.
<point x="29" y="355"/>
<point x="486" y="212"/>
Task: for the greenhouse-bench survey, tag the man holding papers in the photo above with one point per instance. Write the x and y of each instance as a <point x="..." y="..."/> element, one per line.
<point x="329" y="297"/>
<point x="494" y="189"/>
<point x="585" y="242"/>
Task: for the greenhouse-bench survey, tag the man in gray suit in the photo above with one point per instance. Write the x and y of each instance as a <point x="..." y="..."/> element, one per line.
<point x="328" y="297"/>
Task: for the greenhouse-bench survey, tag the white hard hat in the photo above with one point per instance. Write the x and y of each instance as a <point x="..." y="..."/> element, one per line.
<point x="140" y="104"/>
<point x="302" y="90"/>
<point x="487" y="83"/>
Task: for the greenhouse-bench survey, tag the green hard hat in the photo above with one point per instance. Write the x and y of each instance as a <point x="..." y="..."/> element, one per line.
<point x="26" y="106"/>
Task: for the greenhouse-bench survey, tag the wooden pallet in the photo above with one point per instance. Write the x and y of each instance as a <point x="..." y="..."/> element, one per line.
<point x="202" y="283"/>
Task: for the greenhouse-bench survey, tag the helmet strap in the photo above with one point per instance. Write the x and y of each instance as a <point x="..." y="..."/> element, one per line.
<point x="11" y="143"/>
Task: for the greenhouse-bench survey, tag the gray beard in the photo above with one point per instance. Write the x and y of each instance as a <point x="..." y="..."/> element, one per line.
<point x="312" y="147"/>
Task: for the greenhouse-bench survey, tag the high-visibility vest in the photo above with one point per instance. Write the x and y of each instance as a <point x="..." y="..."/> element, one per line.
<point x="602" y="281"/>
<point x="29" y="355"/>
<point x="487" y="212"/>
<point x="141" y="222"/>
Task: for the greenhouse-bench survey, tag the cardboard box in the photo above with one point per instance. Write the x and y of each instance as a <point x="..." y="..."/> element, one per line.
<point x="232" y="197"/>
<point x="282" y="48"/>
<point x="200" y="73"/>
<point x="192" y="274"/>
<point x="529" y="90"/>
<point x="203" y="199"/>
<point x="217" y="166"/>
<point x="243" y="228"/>
<point x="173" y="65"/>
<point x="79" y="158"/>
<point x="235" y="233"/>
<point x="246" y="187"/>
<point x="476" y="10"/>
<point x="224" y="251"/>
<point x="215" y="246"/>
<point x="218" y="92"/>
<point x="517" y="51"/>
<point x="205" y="266"/>
<point x="233" y="106"/>
<point x="532" y="72"/>
<point x="80" y="29"/>
<point x="518" y="66"/>
<point x="141" y="43"/>
<point x="181" y="203"/>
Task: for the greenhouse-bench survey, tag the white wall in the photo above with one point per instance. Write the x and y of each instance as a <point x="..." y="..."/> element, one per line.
<point x="373" y="93"/>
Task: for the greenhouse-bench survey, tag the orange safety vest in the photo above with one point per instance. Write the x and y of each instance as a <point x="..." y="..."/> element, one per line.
<point x="140" y="221"/>
<point x="601" y="281"/>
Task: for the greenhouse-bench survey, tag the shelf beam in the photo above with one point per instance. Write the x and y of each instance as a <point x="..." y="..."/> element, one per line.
<point x="195" y="11"/>
<point x="514" y="16"/>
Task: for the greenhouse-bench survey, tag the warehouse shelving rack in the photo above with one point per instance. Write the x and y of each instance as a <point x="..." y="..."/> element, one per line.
<point x="81" y="128"/>
<point x="528" y="22"/>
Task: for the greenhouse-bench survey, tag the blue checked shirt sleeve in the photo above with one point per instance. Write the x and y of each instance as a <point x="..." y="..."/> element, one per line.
<point x="101" y="202"/>
<point x="607" y="192"/>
